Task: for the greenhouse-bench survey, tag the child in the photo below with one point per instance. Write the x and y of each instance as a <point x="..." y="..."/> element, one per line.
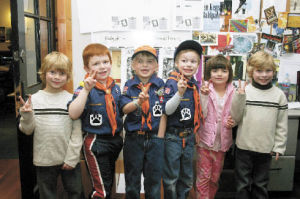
<point x="183" y="109"/>
<point x="215" y="137"/>
<point x="57" y="138"/>
<point x="260" y="110"/>
<point x="96" y="102"/>
<point x="142" y="100"/>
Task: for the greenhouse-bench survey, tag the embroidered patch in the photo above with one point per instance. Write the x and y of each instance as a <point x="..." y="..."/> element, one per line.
<point x="160" y="92"/>
<point x="95" y="119"/>
<point x="167" y="90"/>
<point x="157" y="109"/>
<point x="185" y="114"/>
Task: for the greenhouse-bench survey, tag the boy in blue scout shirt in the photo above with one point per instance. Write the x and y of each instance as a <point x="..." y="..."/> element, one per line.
<point x="184" y="113"/>
<point x="96" y="102"/>
<point x="142" y="101"/>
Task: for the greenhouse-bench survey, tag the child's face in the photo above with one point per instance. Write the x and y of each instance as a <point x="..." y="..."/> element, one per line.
<point x="188" y="63"/>
<point x="219" y="76"/>
<point x="263" y="76"/>
<point x="101" y="64"/>
<point x="55" y="80"/>
<point x="144" y="66"/>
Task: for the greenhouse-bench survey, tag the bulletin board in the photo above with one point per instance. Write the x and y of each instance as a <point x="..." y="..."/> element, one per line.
<point x="235" y="28"/>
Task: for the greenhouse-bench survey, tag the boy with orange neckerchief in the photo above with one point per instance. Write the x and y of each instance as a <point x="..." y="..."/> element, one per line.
<point x="142" y="100"/>
<point x="96" y="102"/>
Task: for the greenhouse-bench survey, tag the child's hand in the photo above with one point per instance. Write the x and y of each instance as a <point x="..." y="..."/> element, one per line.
<point x="181" y="85"/>
<point x="143" y="96"/>
<point x="277" y="155"/>
<point x="205" y="87"/>
<point x="90" y="81"/>
<point x="26" y="106"/>
<point x="230" y="122"/>
<point x="66" y="167"/>
<point x="241" y="89"/>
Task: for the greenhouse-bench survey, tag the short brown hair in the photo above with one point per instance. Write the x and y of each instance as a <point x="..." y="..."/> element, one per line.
<point x="57" y="61"/>
<point x="218" y="61"/>
<point x="260" y="60"/>
<point x="92" y="50"/>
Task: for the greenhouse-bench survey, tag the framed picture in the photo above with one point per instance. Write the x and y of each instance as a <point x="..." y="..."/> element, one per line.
<point x="270" y="15"/>
<point x="293" y="20"/>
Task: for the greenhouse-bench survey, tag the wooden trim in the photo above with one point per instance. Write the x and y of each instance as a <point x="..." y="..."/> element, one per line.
<point x="64" y="32"/>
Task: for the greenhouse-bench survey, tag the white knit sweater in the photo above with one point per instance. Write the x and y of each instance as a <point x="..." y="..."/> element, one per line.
<point x="262" y="118"/>
<point x="57" y="138"/>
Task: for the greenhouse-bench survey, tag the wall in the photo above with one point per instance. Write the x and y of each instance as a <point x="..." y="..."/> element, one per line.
<point x="5" y="13"/>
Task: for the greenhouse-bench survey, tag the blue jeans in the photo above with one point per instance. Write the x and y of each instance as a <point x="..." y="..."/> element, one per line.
<point x="252" y="174"/>
<point x="178" y="166"/>
<point x="47" y="181"/>
<point x="143" y="154"/>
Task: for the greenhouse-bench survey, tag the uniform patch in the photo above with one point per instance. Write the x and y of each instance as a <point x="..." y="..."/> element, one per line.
<point x="185" y="114"/>
<point x="157" y="109"/>
<point x="167" y="90"/>
<point x="95" y="119"/>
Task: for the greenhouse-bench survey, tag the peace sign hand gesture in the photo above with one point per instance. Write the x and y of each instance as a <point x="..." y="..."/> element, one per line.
<point x="241" y="89"/>
<point x="181" y="85"/>
<point x="205" y="87"/>
<point x="90" y="81"/>
<point x="26" y="106"/>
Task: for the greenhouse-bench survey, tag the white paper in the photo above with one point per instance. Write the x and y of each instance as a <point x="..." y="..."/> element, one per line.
<point x="211" y="16"/>
<point x="289" y="64"/>
<point x="294" y="105"/>
<point x="187" y="15"/>
<point x="280" y="5"/>
<point x="242" y="10"/>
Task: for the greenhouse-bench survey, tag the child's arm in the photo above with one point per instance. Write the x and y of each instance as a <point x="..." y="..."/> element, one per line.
<point x="238" y="103"/>
<point x="27" y="123"/>
<point x="281" y="131"/>
<point x="77" y="106"/>
<point x="172" y="104"/>
<point x="162" y="126"/>
<point x="135" y="104"/>
<point x="74" y="147"/>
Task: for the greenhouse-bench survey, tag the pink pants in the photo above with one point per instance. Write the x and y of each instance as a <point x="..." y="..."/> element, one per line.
<point x="209" y="168"/>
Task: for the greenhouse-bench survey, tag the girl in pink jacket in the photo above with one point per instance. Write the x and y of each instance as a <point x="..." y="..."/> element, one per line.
<point x="214" y="137"/>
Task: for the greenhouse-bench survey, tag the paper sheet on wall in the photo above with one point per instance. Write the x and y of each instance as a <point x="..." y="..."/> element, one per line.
<point x="289" y="64"/>
<point x="245" y="8"/>
<point x="187" y="15"/>
<point x="165" y="62"/>
<point x="126" y="71"/>
<point x="280" y="5"/>
<point x="211" y="16"/>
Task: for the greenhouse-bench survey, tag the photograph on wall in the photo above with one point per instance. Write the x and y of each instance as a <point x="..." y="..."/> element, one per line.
<point x="270" y="15"/>
<point x="208" y="39"/>
<point x="165" y="62"/>
<point x="226" y="8"/>
<point x="238" y="25"/>
<point x="243" y="43"/>
<point x="238" y="67"/>
<point x="241" y="9"/>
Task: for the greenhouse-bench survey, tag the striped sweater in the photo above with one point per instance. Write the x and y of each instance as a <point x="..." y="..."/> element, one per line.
<point x="262" y="118"/>
<point x="57" y="138"/>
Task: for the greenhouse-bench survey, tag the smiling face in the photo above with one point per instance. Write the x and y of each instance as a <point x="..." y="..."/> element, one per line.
<point x="55" y="80"/>
<point x="263" y="76"/>
<point x="187" y="62"/>
<point x="144" y="65"/>
<point x="219" y="76"/>
<point x="102" y="65"/>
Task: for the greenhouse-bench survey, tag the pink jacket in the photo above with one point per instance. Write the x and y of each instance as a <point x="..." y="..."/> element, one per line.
<point x="207" y="132"/>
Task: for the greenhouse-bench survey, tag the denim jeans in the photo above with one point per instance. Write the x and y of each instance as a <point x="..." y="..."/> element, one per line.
<point x="47" y="181"/>
<point x="178" y="166"/>
<point x="252" y="174"/>
<point x="143" y="154"/>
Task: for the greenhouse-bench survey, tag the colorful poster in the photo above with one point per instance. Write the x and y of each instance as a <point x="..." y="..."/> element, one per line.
<point x="238" y="25"/>
<point x="282" y="19"/>
<point x="208" y="39"/>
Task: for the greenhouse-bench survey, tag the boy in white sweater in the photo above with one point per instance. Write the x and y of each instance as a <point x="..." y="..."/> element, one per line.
<point x="57" y="139"/>
<point x="260" y="110"/>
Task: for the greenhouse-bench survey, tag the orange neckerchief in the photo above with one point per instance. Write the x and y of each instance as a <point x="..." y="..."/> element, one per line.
<point x="109" y="101"/>
<point x="146" y="116"/>
<point x="198" y="109"/>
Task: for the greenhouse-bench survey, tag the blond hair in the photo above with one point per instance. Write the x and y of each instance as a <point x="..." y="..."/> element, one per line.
<point x="55" y="61"/>
<point x="260" y="60"/>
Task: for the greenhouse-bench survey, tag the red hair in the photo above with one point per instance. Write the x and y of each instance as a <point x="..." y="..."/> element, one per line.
<point x="94" y="50"/>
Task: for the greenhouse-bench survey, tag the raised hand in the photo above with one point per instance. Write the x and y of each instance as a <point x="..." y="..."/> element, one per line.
<point x="205" y="87"/>
<point x="230" y="122"/>
<point x="90" y="81"/>
<point x="181" y="85"/>
<point x="25" y="106"/>
<point x="143" y="96"/>
<point x="241" y="89"/>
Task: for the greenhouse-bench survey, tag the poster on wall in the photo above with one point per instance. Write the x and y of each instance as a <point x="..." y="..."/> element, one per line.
<point x="241" y="9"/>
<point x="211" y="16"/>
<point x="187" y="15"/>
<point x="270" y="15"/>
<point x="126" y="70"/>
<point x="243" y="43"/>
<point x="166" y="62"/>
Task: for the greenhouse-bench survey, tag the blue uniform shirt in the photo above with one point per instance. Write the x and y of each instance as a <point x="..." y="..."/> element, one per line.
<point x="94" y="118"/>
<point x="131" y="92"/>
<point x="183" y="117"/>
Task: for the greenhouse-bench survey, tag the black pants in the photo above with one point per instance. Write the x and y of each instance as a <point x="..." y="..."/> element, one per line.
<point x="252" y="174"/>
